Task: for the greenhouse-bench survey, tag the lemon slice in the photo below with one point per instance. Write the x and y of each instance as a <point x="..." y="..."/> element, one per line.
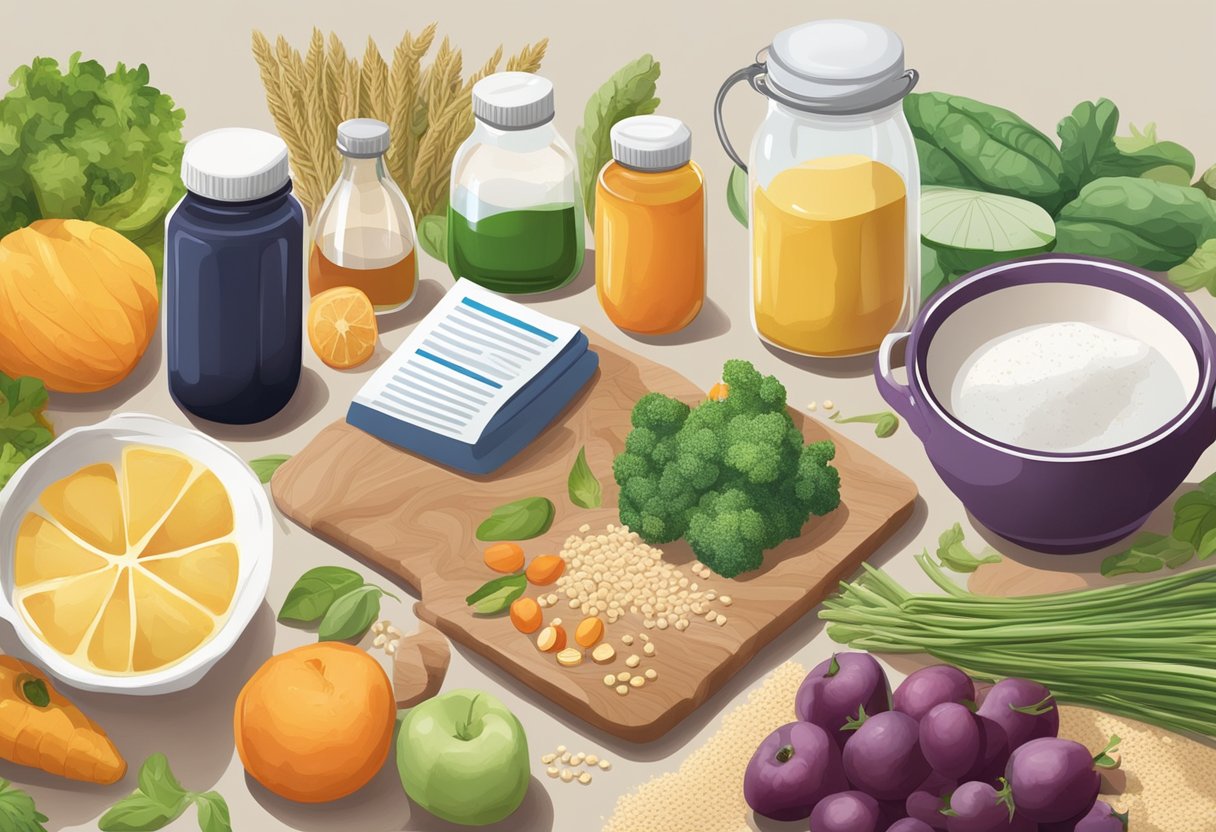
<point x="130" y="571"/>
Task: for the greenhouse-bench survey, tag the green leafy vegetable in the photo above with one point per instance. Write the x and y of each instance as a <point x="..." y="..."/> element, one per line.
<point x="1091" y="150"/>
<point x="966" y="143"/>
<point x="160" y="800"/>
<point x="315" y="592"/>
<point x="496" y="596"/>
<point x="265" y="466"/>
<point x="972" y="229"/>
<point x="1150" y="224"/>
<point x="86" y="144"/>
<point x="1198" y="271"/>
<point x="1195" y="518"/>
<point x="584" y="488"/>
<point x="629" y="92"/>
<point x="1126" y="649"/>
<point x="885" y="423"/>
<point x="17" y="810"/>
<point x="1148" y="553"/>
<point x="1207" y="182"/>
<point x="957" y="557"/>
<point x="932" y="275"/>
<point x="732" y="476"/>
<point x="736" y="194"/>
<point x="352" y="614"/>
<point x="24" y="430"/>
<point x="433" y="236"/>
<point x="521" y="520"/>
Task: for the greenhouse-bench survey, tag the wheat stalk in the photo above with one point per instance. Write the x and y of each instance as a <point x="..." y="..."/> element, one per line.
<point x="375" y="83"/>
<point x="529" y="58"/>
<point x="403" y="88"/>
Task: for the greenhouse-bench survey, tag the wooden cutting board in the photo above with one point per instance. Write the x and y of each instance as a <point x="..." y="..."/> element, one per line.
<point x="417" y="520"/>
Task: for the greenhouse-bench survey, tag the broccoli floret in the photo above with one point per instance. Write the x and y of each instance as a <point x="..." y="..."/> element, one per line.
<point x="732" y="476"/>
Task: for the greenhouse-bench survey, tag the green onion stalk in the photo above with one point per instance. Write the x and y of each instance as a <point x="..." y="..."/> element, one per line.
<point x="1144" y="651"/>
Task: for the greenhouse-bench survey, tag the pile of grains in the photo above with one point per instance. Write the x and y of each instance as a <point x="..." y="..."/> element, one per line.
<point x="706" y="792"/>
<point x="564" y="765"/>
<point x="636" y="676"/>
<point x="615" y="572"/>
<point x="385" y="637"/>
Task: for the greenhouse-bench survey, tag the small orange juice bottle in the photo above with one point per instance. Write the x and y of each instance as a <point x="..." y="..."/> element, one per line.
<point x="650" y="228"/>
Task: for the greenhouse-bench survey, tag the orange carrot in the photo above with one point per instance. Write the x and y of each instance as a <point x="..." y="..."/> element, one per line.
<point x="39" y="727"/>
<point x="545" y="569"/>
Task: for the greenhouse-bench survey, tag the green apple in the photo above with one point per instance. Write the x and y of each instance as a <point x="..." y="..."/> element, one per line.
<point x="463" y="757"/>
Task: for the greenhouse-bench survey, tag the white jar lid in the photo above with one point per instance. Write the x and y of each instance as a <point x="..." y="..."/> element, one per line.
<point x="829" y="59"/>
<point x="363" y="138"/>
<point x="235" y="164"/>
<point x="513" y="100"/>
<point x="653" y="143"/>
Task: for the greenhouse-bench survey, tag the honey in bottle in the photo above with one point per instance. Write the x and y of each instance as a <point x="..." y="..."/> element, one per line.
<point x="364" y="233"/>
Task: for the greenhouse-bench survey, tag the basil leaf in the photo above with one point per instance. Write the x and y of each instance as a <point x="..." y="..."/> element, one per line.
<point x="584" y="488"/>
<point x="1148" y="553"/>
<point x="213" y="813"/>
<point x="520" y="520"/>
<point x="736" y="194"/>
<point x="957" y="557"/>
<point x="265" y="466"/>
<point x="18" y="811"/>
<point x="140" y="813"/>
<point x="157" y="782"/>
<point x="1195" y="519"/>
<point x="497" y="595"/>
<point x="352" y="615"/>
<point x="315" y="591"/>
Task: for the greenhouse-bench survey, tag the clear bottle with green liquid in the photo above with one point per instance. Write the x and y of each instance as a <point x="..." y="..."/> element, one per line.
<point x="515" y="214"/>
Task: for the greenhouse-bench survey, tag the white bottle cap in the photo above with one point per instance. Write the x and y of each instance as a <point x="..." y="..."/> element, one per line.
<point x="362" y="138"/>
<point x="653" y="143"/>
<point x="513" y="100"/>
<point x="235" y="164"/>
<point x="829" y="59"/>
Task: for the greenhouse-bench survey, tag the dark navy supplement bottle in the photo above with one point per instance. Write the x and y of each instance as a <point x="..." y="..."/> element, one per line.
<point x="234" y="278"/>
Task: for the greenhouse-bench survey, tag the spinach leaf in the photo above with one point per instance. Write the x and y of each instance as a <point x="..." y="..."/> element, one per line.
<point x="1148" y="553"/>
<point x="1147" y="223"/>
<point x="957" y="557"/>
<point x="265" y="466"/>
<point x="18" y="813"/>
<point x="497" y="595"/>
<point x="521" y="520"/>
<point x="1091" y="149"/>
<point x="1195" y="518"/>
<point x="984" y="147"/>
<point x="629" y="92"/>
<point x="1207" y="182"/>
<point x="433" y="236"/>
<point x="584" y="488"/>
<point x="352" y="615"/>
<point x="1198" y="271"/>
<point x="736" y="194"/>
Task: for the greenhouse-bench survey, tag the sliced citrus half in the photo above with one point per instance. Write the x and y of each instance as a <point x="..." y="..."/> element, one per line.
<point x="128" y="571"/>
<point x="342" y="327"/>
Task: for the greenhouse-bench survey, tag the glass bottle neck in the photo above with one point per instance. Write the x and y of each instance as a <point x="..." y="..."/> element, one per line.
<point x="365" y="170"/>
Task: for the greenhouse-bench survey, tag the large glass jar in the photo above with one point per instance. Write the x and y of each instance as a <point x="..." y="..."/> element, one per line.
<point x="834" y="189"/>
<point x="515" y="213"/>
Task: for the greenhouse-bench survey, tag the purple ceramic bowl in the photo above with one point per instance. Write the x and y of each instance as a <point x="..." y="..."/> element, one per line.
<point x="1058" y="502"/>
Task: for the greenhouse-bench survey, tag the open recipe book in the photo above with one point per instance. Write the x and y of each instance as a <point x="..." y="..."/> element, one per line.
<point x="475" y="382"/>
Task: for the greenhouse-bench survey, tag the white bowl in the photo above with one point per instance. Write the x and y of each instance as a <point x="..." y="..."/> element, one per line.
<point x="104" y="442"/>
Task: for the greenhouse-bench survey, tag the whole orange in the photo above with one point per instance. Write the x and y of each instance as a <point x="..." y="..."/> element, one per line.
<point x="315" y="723"/>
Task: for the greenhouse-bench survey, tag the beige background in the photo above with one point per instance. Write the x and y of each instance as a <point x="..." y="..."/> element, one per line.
<point x="1037" y="57"/>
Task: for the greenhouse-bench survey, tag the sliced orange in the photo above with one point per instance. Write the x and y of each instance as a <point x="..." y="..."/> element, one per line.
<point x="342" y="327"/>
<point x="130" y="578"/>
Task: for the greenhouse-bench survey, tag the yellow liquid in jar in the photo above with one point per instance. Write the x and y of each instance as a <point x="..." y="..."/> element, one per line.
<point x="828" y="256"/>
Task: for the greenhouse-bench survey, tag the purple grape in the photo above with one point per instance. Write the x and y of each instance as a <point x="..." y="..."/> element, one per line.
<point x="837" y="689"/>
<point x="1101" y="817"/>
<point x="847" y="812"/>
<point x="929" y="687"/>
<point x="1026" y="710"/>
<point x="1053" y="779"/>
<point x="978" y="807"/>
<point x="910" y="825"/>
<point x="950" y="739"/>
<point x="794" y="767"/>
<point x="994" y="752"/>
<point x="926" y="806"/>
<point x="883" y="757"/>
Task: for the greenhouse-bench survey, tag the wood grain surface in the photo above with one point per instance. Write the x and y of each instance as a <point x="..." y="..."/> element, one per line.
<point x="417" y="520"/>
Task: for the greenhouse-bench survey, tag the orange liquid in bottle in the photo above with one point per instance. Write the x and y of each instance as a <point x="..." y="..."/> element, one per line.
<point x="387" y="287"/>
